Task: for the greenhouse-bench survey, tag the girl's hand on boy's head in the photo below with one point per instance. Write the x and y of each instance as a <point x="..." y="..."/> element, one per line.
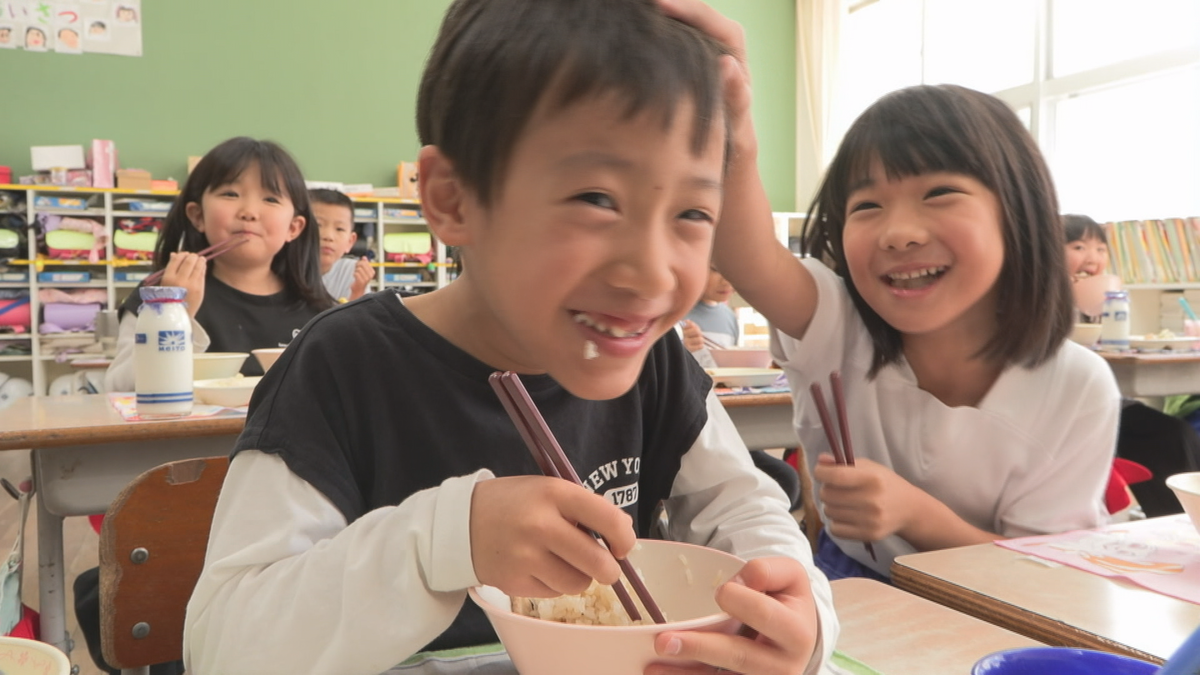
<point x="187" y="271"/>
<point x="772" y="598"/>
<point x="363" y="274"/>
<point x="867" y="501"/>
<point x="524" y="538"/>
<point x="735" y="69"/>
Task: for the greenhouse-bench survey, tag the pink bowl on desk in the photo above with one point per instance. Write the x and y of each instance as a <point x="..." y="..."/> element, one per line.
<point x="741" y="357"/>
<point x="267" y="356"/>
<point x="685" y="595"/>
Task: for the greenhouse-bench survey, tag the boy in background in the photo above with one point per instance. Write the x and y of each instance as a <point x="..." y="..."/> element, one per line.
<point x="574" y="150"/>
<point x="713" y="316"/>
<point x="345" y="278"/>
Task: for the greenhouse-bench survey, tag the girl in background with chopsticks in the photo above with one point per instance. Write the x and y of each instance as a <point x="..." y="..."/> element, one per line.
<point x="937" y="286"/>
<point x="250" y="295"/>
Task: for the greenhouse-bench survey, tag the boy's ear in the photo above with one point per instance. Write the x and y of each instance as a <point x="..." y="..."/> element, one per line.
<point x="443" y="197"/>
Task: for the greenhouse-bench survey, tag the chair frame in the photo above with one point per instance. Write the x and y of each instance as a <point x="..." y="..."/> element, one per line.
<point x="152" y="548"/>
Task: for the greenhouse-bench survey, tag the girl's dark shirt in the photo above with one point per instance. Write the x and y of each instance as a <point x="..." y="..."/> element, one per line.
<point x="241" y="322"/>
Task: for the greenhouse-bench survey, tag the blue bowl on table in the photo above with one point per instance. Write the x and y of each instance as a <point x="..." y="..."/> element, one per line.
<point x="1060" y="661"/>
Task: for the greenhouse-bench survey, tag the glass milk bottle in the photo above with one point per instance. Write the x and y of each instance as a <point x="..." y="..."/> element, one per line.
<point x="1114" y="322"/>
<point x="162" y="353"/>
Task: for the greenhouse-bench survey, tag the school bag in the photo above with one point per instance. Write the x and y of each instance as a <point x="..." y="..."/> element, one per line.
<point x="16" y="618"/>
<point x="13" y="237"/>
<point x="1163" y="444"/>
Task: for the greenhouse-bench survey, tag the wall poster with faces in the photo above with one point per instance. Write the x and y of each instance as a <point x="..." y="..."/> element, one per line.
<point x="76" y="27"/>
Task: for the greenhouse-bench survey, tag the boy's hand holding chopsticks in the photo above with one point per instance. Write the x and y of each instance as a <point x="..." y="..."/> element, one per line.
<point x="524" y="538"/>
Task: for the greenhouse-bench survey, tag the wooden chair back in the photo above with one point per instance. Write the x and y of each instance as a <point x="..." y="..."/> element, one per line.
<point x="152" y="547"/>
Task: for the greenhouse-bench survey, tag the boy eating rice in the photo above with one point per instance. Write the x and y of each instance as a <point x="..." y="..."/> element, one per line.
<point x="574" y="151"/>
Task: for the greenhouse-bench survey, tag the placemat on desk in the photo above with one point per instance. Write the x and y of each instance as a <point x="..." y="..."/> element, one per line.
<point x="491" y="660"/>
<point x="733" y="391"/>
<point x="126" y="405"/>
<point x="1159" y="554"/>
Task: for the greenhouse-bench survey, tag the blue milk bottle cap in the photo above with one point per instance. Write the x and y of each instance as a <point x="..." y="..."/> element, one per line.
<point x="163" y="293"/>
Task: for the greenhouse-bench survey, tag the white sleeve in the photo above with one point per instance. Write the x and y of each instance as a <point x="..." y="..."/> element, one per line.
<point x="119" y="376"/>
<point x="288" y="587"/>
<point x="719" y="499"/>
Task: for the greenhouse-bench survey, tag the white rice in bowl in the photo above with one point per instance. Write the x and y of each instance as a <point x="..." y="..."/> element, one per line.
<point x="597" y="606"/>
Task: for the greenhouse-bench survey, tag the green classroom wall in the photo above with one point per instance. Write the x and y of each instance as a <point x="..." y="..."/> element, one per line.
<point x="335" y="84"/>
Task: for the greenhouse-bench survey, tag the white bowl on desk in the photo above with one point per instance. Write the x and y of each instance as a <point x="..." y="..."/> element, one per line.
<point x="1086" y="334"/>
<point x="1186" y="487"/>
<point x="230" y="392"/>
<point x="214" y="365"/>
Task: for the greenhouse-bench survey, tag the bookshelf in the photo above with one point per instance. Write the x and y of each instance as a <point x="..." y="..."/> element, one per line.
<point x="41" y="358"/>
<point x="1158" y="260"/>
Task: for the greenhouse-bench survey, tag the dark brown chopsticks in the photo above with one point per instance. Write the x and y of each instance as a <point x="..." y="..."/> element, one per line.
<point x="209" y="253"/>
<point x="843" y="453"/>
<point x="553" y="462"/>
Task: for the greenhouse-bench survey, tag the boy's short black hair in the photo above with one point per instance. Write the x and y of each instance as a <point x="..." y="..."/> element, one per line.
<point x="949" y="128"/>
<point x="1083" y="227"/>
<point x="331" y="197"/>
<point x="495" y="60"/>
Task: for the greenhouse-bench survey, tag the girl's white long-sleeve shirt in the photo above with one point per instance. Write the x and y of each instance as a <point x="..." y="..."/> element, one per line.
<point x="289" y="587"/>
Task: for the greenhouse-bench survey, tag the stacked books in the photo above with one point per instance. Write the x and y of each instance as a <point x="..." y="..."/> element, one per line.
<point x="1155" y="251"/>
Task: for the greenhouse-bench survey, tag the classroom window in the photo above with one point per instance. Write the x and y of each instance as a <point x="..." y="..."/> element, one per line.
<point x="1110" y="89"/>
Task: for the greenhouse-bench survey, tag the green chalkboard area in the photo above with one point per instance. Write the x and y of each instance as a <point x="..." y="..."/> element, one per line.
<point x="335" y="83"/>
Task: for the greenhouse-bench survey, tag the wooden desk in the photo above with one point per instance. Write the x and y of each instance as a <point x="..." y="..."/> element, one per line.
<point x="1057" y="605"/>
<point x="1155" y="374"/>
<point x="83" y="454"/>
<point x="898" y="633"/>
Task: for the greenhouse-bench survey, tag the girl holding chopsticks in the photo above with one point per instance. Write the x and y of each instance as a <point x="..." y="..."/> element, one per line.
<point x="937" y="286"/>
<point x="237" y="238"/>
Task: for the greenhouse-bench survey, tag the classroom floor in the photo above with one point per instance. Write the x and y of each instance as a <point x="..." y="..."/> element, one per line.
<point x="80" y="544"/>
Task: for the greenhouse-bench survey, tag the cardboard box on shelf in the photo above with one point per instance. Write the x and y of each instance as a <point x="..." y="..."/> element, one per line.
<point x="165" y="184"/>
<point x="133" y="179"/>
<point x="193" y="160"/>
<point x="406" y="179"/>
<point x="103" y="162"/>
<point x="47" y="157"/>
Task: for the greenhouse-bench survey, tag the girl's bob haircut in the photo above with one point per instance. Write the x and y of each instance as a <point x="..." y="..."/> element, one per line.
<point x="297" y="263"/>
<point x="1083" y="227"/>
<point x="947" y="128"/>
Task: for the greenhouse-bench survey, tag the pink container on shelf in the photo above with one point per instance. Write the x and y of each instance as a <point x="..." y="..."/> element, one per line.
<point x="15" y="312"/>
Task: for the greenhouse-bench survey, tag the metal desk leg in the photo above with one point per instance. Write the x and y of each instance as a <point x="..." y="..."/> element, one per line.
<point x="51" y="586"/>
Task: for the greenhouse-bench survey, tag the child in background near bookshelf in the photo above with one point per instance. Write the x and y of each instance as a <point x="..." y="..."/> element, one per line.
<point x="1087" y="264"/>
<point x="345" y="278"/>
<point x="574" y="150"/>
<point x="257" y="295"/>
<point x="938" y="288"/>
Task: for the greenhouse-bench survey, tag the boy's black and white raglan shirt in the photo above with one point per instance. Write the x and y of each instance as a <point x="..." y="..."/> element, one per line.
<point x="348" y="499"/>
